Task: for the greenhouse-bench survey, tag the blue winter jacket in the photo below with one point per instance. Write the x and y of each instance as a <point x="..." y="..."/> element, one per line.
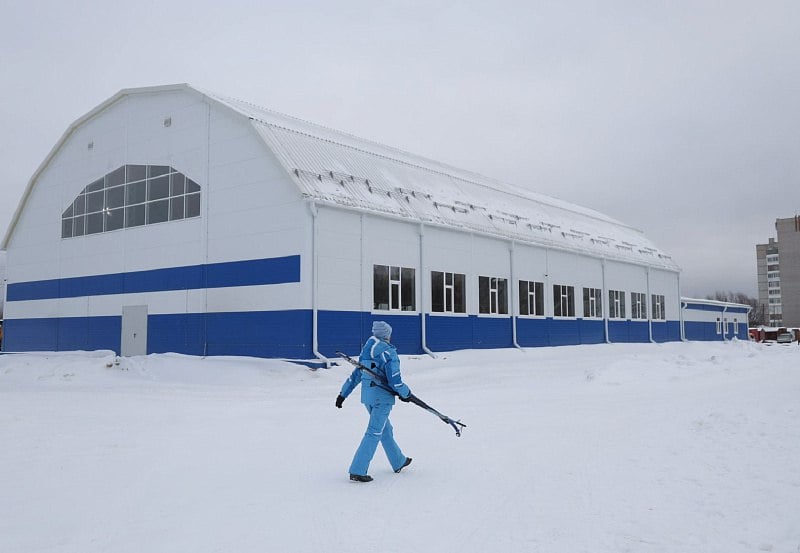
<point x="384" y="356"/>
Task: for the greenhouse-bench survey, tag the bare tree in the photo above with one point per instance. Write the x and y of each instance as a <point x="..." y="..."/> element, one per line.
<point x="757" y="314"/>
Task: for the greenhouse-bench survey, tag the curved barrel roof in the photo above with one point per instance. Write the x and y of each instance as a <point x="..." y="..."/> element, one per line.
<point x="337" y="168"/>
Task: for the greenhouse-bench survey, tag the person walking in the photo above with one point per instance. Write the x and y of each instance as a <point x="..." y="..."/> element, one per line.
<point x="379" y="354"/>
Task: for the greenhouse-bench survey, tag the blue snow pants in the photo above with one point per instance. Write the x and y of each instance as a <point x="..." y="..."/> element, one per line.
<point x="379" y="429"/>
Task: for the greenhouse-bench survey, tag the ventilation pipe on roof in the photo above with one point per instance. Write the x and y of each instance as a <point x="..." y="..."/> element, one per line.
<point x="423" y="303"/>
<point x="514" y="304"/>
<point x="314" y="280"/>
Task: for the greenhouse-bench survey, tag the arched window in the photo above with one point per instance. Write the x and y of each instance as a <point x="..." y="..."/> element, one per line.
<point x="131" y="196"/>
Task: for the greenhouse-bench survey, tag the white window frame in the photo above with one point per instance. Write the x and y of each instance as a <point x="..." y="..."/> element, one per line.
<point x="449" y="293"/>
<point x="659" y="307"/>
<point x="594" y="296"/>
<point x="494" y="298"/>
<point x="564" y="298"/>
<point x="616" y="307"/>
<point x="638" y="306"/>
<point x="529" y="298"/>
<point x="396" y="303"/>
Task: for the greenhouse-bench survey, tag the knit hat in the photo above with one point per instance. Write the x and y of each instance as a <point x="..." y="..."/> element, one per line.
<point x="381" y="329"/>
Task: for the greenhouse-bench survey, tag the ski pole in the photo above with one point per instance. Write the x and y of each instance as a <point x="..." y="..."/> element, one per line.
<point x="457" y="425"/>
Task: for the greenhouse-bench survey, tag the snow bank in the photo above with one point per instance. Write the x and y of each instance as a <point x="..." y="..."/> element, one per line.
<point x="682" y="447"/>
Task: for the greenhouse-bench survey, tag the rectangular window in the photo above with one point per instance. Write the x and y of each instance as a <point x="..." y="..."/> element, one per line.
<point x="95" y="186"/>
<point x="157" y="212"/>
<point x="393" y="288"/>
<point x="79" y="226"/>
<point x="94" y="223"/>
<point x="192" y="205"/>
<point x="177" y="184"/>
<point x="158" y="188"/>
<point x="134" y="216"/>
<point x="531" y="298"/>
<point x="719" y="326"/>
<point x="94" y="202"/>
<point x="592" y="303"/>
<point x="115" y="197"/>
<point x="616" y="304"/>
<point x="563" y="300"/>
<point x="135" y="193"/>
<point x="66" y="228"/>
<point x="447" y="292"/>
<point x="136" y="172"/>
<point x="115" y="178"/>
<point x="638" y="306"/>
<point x="157" y="170"/>
<point x="114" y="219"/>
<point x="79" y="205"/>
<point x="492" y="295"/>
<point x="176" y="208"/>
<point x="735" y="326"/>
<point x="658" y="308"/>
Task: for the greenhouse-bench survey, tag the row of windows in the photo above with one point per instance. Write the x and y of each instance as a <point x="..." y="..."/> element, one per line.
<point x="131" y="196"/>
<point x="721" y="323"/>
<point x="394" y="289"/>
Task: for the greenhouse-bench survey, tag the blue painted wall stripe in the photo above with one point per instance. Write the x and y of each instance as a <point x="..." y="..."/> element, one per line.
<point x="275" y="270"/>
<point x="288" y="333"/>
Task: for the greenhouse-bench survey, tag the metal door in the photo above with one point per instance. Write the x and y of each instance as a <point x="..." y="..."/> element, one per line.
<point x="134" y="330"/>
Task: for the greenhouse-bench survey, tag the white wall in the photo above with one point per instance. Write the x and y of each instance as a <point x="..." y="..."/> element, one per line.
<point x="250" y="209"/>
<point x="341" y="274"/>
<point x="346" y="258"/>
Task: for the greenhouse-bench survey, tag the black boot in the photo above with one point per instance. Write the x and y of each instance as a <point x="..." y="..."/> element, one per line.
<point x="361" y="478"/>
<point x="408" y="462"/>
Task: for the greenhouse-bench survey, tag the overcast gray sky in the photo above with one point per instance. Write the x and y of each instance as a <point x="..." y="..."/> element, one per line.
<point x="679" y="118"/>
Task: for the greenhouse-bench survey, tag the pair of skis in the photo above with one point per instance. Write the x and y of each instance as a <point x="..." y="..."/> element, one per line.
<point x="456" y="425"/>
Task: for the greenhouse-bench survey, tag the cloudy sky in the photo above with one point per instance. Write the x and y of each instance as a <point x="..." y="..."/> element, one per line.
<point x="679" y="118"/>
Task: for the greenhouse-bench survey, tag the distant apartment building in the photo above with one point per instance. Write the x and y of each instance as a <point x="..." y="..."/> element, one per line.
<point x="778" y="269"/>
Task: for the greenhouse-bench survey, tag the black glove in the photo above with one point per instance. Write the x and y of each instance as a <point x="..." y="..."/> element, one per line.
<point x="405" y="399"/>
<point x="339" y="401"/>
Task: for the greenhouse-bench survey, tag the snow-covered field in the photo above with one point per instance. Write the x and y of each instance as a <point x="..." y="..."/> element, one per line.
<point x="682" y="447"/>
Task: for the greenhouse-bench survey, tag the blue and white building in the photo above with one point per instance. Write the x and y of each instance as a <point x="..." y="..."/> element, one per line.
<point x="172" y="219"/>
<point x="714" y="320"/>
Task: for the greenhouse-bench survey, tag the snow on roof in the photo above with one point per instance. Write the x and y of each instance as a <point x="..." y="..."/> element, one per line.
<point x="715" y="302"/>
<point x="337" y="168"/>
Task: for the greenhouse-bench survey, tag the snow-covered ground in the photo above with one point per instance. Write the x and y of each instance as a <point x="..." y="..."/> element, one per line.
<point x="682" y="447"/>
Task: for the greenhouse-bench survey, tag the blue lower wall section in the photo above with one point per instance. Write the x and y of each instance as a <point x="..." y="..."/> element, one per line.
<point x="705" y="331"/>
<point x="347" y="330"/>
<point x="65" y="334"/>
<point x="288" y="334"/>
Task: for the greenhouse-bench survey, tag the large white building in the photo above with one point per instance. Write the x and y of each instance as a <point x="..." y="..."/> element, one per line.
<point x="172" y="219"/>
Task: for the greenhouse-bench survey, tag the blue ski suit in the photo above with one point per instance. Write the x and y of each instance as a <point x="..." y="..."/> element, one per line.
<point x="378" y="402"/>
